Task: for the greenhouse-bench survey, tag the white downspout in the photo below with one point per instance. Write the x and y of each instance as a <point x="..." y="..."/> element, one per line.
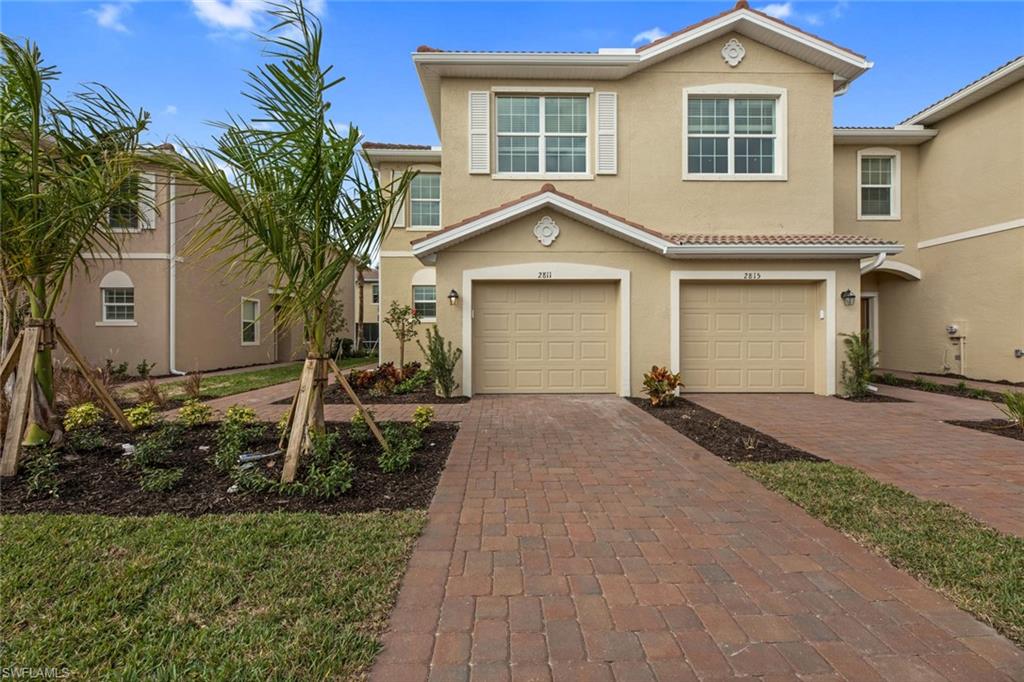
<point x="172" y="315"/>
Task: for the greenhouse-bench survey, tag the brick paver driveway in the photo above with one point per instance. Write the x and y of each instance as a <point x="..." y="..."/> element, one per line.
<point x="579" y="538"/>
<point x="906" y="444"/>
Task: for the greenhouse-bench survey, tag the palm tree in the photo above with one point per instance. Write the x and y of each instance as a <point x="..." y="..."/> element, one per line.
<point x="362" y="263"/>
<point x="63" y="166"/>
<point x="300" y="204"/>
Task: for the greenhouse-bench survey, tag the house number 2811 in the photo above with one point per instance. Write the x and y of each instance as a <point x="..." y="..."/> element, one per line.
<point x="751" y="275"/>
<point x="544" y="274"/>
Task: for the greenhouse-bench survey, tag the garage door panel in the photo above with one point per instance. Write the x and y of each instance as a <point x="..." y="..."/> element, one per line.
<point x="544" y="337"/>
<point x="738" y="336"/>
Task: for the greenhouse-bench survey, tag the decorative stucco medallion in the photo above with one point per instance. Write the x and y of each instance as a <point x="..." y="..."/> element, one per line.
<point x="546" y="231"/>
<point x="733" y="52"/>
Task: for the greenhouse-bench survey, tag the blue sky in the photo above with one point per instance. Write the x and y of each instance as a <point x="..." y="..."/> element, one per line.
<point x="183" y="60"/>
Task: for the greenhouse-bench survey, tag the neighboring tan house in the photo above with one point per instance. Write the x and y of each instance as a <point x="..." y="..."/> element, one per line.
<point x="371" y="309"/>
<point x="688" y="203"/>
<point x="163" y="304"/>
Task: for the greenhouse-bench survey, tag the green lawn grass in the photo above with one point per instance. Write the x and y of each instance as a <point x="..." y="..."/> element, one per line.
<point x="980" y="569"/>
<point x="260" y="596"/>
<point x="240" y="382"/>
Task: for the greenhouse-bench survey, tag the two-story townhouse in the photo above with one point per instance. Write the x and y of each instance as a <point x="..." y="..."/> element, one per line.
<point x="948" y="182"/>
<point x="371" y="311"/>
<point x="166" y="303"/>
<point x="599" y="213"/>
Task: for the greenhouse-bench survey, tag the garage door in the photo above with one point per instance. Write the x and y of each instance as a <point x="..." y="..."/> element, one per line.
<point x="544" y="337"/>
<point x="747" y="337"/>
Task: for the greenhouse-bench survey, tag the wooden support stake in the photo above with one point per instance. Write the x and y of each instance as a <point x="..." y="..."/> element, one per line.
<point x="101" y="392"/>
<point x="24" y="385"/>
<point x="300" y="420"/>
<point x="288" y="425"/>
<point x="9" y="361"/>
<point x="359" y="405"/>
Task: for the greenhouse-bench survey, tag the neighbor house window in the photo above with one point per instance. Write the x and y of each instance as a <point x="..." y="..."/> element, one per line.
<point x="734" y="132"/>
<point x="542" y="134"/>
<point x="250" y="322"/>
<point x="118" y="304"/>
<point x="878" y="184"/>
<point x="375" y="293"/>
<point x="425" y="200"/>
<point x="424" y="301"/>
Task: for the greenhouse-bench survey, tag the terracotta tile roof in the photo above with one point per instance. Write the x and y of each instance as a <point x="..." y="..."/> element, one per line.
<point x="371" y="275"/>
<point x="394" y="145"/>
<point x="957" y="92"/>
<point x="680" y="239"/>
<point x="743" y="4"/>
<point x="778" y="239"/>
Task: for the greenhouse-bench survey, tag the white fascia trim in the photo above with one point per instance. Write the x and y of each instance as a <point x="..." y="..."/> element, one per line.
<point x="431" y="245"/>
<point x="676" y="277"/>
<point x="569" y="90"/>
<point x="128" y="256"/>
<point x="396" y="254"/>
<point x="895" y="267"/>
<point x="782" y="250"/>
<point x="934" y="113"/>
<point x="895" y="208"/>
<point x="970" y="234"/>
<point x="417" y="155"/>
<point x="844" y="136"/>
<point x="559" y="272"/>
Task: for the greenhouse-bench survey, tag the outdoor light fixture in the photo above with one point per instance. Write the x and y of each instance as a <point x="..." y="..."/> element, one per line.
<point x="453" y="297"/>
<point x="848" y="297"/>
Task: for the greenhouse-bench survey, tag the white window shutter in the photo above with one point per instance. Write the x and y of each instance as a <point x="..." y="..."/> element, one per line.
<point x="479" y="132"/>
<point x="147" y="201"/>
<point x="607" y="133"/>
<point x="400" y="208"/>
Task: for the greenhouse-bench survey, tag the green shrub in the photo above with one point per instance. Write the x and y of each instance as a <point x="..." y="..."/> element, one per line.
<point x="85" y="439"/>
<point x="978" y="394"/>
<point x="860" y="363"/>
<point x="888" y="379"/>
<point x="282" y="426"/>
<point x="325" y="481"/>
<point x="441" y="358"/>
<point x="155" y="448"/>
<point x="961" y="386"/>
<point x="422" y="417"/>
<point x="142" y="415"/>
<point x="359" y="430"/>
<point x="660" y="386"/>
<point x="143" y="368"/>
<point x="236" y="431"/>
<point x="252" y="480"/>
<point x="160" y="480"/>
<point x="194" y="413"/>
<point x="413" y="383"/>
<point x="403" y="441"/>
<point x="382" y="388"/>
<point x="41" y="466"/>
<point x="82" y="417"/>
<point x="1013" y="407"/>
<point x="240" y="414"/>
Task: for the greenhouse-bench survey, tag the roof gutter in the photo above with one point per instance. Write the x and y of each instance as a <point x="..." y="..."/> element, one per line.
<point x="782" y="250"/>
<point x="172" y="285"/>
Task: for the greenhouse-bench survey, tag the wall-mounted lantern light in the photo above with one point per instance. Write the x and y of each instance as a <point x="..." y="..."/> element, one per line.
<point x="453" y="297"/>
<point x="848" y="297"/>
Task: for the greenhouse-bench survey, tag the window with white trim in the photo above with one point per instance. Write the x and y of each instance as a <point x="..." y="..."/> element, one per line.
<point x="124" y="215"/>
<point x="731" y="136"/>
<point x="878" y="184"/>
<point x="375" y="292"/>
<point x="425" y="200"/>
<point x="424" y="301"/>
<point x="118" y="304"/>
<point x="542" y="134"/>
<point x="250" y="322"/>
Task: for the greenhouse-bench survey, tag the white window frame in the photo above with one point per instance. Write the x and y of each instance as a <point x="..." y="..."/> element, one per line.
<point x="895" y="210"/>
<point x="413" y="227"/>
<point x="543" y="94"/>
<point x="115" y="322"/>
<point x="732" y="92"/>
<point x="256" y="322"/>
<point x="412" y="294"/>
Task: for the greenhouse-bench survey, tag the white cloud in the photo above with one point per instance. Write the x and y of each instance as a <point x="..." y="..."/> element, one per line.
<point x="109" y="16"/>
<point x="229" y="14"/>
<point x="170" y="110"/>
<point x="650" y="35"/>
<point x="779" y="10"/>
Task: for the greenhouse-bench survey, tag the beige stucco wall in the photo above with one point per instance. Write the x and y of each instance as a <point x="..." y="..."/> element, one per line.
<point x="396" y="275"/>
<point x="649" y="188"/>
<point x="650" y="282"/>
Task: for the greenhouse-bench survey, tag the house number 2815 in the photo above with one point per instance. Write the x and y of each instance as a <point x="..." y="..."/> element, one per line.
<point x="544" y="274"/>
<point x="751" y="275"/>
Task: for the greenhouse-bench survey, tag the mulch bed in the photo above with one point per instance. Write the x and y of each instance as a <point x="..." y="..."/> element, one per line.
<point x="874" y="398"/>
<point x="335" y="395"/>
<point x="98" y="482"/>
<point x="732" y="441"/>
<point x="999" y="427"/>
<point x="944" y="389"/>
<point x="950" y="375"/>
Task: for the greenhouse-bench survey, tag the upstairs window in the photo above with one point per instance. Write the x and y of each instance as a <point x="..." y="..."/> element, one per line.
<point x="735" y="132"/>
<point x="425" y="200"/>
<point x="375" y="293"/>
<point x="250" y="322"/>
<point x="878" y="175"/>
<point x="124" y="216"/>
<point x="424" y="301"/>
<point x="542" y="134"/>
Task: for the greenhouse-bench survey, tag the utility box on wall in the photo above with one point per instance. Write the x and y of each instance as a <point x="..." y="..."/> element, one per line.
<point x="956" y="329"/>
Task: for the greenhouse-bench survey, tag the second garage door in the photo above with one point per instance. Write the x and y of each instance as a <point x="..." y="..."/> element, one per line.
<point x="544" y="337"/>
<point x="747" y="337"/>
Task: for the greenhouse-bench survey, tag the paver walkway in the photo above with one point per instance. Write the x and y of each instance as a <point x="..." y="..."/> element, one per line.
<point x="577" y="537"/>
<point x="906" y="444"/>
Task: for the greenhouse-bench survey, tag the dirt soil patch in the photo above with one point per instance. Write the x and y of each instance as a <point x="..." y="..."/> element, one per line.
<point x="97" y="482"/>
<point x="335" y="395"/>
<point x="732" y="441"/>
<point x="874" y="398"/>
<point x="999" y="427"/>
